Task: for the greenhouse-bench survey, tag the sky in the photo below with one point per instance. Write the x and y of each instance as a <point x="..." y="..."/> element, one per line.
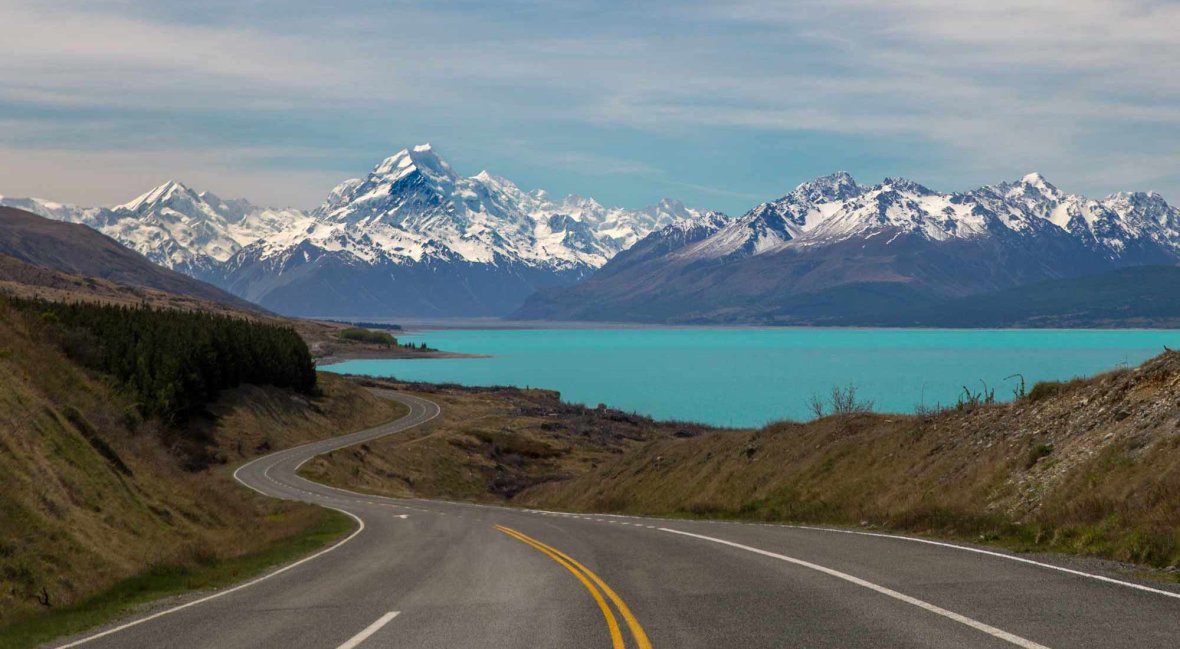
<point x="720" y="104"/>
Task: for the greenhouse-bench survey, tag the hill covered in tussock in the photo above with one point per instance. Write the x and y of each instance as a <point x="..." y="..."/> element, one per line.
<point x="76" y="249"/>
<point x="1089" y="466"/>
<point x="101" y="507"/>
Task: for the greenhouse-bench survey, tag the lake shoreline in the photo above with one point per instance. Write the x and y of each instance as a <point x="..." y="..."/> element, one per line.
<point x="749" y="377"/>
<point x="416" y="327"/>
<point x="393" y="354"/>
<point x="1088" y="466"/>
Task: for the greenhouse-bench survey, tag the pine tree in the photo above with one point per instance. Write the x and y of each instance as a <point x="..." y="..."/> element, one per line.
<point x="175" y="362"/>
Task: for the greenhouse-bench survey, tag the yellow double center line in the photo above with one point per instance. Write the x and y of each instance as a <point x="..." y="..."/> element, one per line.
<point x="597" y="589"/>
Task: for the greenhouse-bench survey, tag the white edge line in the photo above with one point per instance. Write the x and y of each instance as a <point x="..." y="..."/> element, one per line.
<point x="220" y="593"/>
<point x="368" y="631"/>
<point x="360" y="528"/>
<point x="895" y="537"/>
<point x="962" y="619"/>
<point x="991" y="553"/>
<point x="898" y="537"/>
<point x="901" y="537"/>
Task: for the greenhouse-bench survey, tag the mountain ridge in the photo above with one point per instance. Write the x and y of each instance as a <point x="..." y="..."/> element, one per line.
<point x="81" y="250"/>
<point x="415" y="238"/>
<point x="900" y="239"/>
<point x="412" y="237"/>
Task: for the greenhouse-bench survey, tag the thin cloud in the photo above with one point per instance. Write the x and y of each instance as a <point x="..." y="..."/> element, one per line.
<point x="114" y="177"/>
<point x="964" y="90"/>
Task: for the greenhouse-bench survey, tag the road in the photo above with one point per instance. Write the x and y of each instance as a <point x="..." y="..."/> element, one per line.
<point x="426" y="574"/>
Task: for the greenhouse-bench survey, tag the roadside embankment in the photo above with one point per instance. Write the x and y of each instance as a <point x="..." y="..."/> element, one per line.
<point x="100" y="508"/>
<point x="1090" y="466"/>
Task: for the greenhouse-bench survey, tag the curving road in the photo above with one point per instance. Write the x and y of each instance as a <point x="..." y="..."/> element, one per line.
<point x="437" y="574"/>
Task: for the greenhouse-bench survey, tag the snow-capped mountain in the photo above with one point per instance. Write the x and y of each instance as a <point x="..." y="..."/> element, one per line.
<point x="176" y="227"/>
<point x="1129" y="228"/>
<point x="835" y="208"/>
<point x="894" y="236"/>
<point x="413" y="205"/>
<point x="51" y="209"/>
<point x="194" y="232"/>
<point x="413" y="237"/>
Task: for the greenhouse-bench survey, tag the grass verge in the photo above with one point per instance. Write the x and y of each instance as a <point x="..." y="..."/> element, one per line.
<point x="167" y="580"/>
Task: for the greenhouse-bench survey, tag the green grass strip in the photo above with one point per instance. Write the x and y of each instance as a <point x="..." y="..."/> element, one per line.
<point x="165" y="581"/>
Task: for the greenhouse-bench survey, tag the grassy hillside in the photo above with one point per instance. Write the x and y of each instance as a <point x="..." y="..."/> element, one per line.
<point x="325" y="339"/>
<point x="1090" y="466"/>
<point x="489" y="444"/>
<point x="24" y="280"/>
<point x="78" y="249"/>
<point x="252" y="420"/>
<point x="95" y="502"/>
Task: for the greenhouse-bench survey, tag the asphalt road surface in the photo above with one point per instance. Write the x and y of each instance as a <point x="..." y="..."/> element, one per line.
<point x="436" y="574"/>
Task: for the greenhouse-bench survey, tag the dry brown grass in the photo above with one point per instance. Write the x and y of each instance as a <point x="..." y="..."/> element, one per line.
<point x="1089" y="466"/>
<point x="489" y="445"/>
<point x="257" y="419"/>
<point x="28" y="281"/>
<point x="90" y="495"/>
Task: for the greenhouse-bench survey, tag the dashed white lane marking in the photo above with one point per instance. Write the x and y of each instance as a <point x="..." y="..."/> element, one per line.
<point x="275" y="459"/>
<point x="951" y="615"/>
<point x="355" y="640"/>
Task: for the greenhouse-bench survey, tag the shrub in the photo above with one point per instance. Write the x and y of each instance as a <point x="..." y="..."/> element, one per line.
<point x="840" y="401"/>
<point x="368" y="336"/>
<point x="970" y="400"/>
<point x="1044" y="390"/>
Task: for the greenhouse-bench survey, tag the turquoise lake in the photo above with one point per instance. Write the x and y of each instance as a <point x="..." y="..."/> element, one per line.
<point x="747" y="377"/>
